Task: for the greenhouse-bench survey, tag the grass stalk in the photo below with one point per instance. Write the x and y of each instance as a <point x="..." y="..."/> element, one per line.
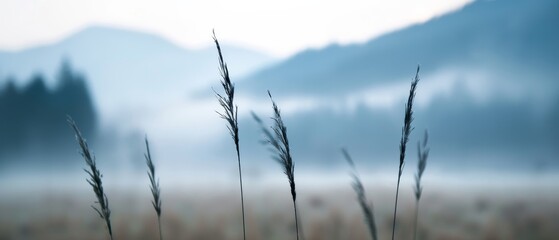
<point x="422" y="154"/>
<point x="154" y="187"/>
<point x="279" y="143"/>
<point x="361" y="196"/>
<point x="230" y="115"/>
<point x="406" y="131"/>
<point x="94" y="178"/>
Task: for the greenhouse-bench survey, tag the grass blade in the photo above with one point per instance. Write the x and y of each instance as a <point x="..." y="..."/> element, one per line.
<point x="422" y="155"/>
<point x="361" y="196"/>
<point x="154" y="187"/>
<point x="94" y="178"/>
<point x="406" y="131"/>
<point x="230" y="115"/>
<point x="279" y="143"/>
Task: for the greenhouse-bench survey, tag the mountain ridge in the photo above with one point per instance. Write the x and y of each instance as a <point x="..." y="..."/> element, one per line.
<point x="478" y="32"/>
<point x="112" y="57"/>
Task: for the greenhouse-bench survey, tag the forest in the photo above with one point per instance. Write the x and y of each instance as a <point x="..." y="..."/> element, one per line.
<point x="33" y="114"/>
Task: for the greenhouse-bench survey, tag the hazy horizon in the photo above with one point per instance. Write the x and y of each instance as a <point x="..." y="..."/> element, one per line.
<point x="350" y="96"/>
<point x="190" y="24"/>
<point x="126" y="72"/>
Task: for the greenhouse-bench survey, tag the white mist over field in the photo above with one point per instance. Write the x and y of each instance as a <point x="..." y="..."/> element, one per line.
<point x="128" y="71"/>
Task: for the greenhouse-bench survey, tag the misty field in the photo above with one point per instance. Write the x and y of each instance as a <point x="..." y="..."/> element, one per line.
<point x="452" y="209"/>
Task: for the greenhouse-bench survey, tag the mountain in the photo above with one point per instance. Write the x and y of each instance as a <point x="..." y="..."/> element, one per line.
<point x="128" y="68"/>
<point x="518" y="35"/>
<point x="488" y="91"/>
<point x="487" y="95"/>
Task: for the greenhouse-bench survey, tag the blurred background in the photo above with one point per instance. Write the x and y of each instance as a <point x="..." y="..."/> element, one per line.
<point x="339" y="71"/>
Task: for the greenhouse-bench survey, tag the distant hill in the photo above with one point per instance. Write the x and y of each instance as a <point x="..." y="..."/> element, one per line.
<point x="495" y="36"/>
<point x="488" y="93"/>
<point x="127" y="67"/>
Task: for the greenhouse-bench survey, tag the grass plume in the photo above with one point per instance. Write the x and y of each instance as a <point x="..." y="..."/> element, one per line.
<point x="361" y="196"/>
<point x="154" y="187"/>
<point x="422" y="155"/>
<point x="230" y="115"/>
<point x="94" y="178"/>
<point x="279" y="142"/>
<point x="406" y="131"/>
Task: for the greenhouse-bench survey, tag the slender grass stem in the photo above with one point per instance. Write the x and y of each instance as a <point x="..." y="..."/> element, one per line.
<point x="296" y="219"/>
<point x="241" y="189"/>
<point x="406" y="130"/>
<point x="230" y="115"/>
<point x="159" y="224"/>
<point x="422" y="154"/>
<point x="94" y="178"/>
<point x="395" y="209"/>
<point x="416" y="213"/>
<point x="154" y="187"/>
<point x="361" y="196"/>
<point x="279" y="142"/>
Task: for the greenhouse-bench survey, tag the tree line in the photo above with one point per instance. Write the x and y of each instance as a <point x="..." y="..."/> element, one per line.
<point x="33" y="116"/>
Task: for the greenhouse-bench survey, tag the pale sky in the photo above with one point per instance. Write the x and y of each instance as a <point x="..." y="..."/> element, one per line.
<point x="279" y="28"/>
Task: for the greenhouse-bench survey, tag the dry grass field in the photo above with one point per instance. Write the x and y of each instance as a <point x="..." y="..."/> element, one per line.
<point x="449" y="210"/>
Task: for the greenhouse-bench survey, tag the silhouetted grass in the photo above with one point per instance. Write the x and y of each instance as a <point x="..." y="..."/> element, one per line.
<point x="278" y="141"/>
<point x="280" y="147"/>
<point x="154" y="187"/>
<point x="361" y="196"/>
<point x="95" y="178"/>
<point x="422" y="155"/>
<point x="230" y="115"/>
<point x="406" y="130"/>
